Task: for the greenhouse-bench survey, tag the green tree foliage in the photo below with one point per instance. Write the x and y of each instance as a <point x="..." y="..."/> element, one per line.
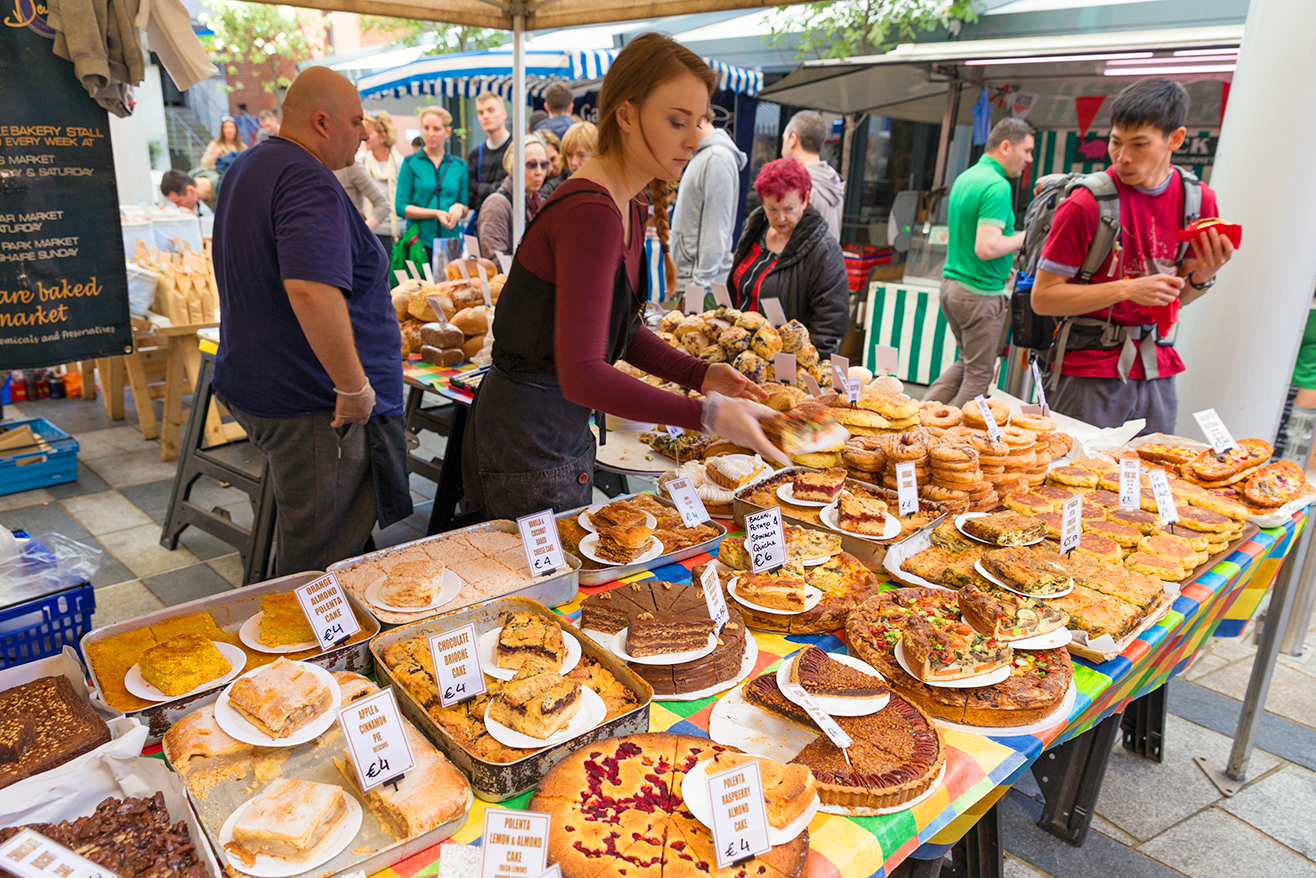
<point x="264" y="35"/>
<point x="451" y="38"/>
<point x="847" y="28"/>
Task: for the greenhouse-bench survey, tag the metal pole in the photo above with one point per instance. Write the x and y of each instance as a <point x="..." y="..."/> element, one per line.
<point x="1231" y="780"/>
<point x="947" y="130"/>
<point x="1303" y="602"/>
<point x="518" y="125"/>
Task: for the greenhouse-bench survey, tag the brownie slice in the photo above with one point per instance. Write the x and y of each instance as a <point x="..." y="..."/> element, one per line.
<point x="64" y="727"/>
<point x="650" y="635"/>
<point x="18" y="734"/>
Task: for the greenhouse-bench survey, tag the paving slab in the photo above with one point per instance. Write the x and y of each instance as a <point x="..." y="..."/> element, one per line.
<point x="1099" y="857"/>
<point x="204" y="545"/>
<point x="127" y="600"/>
<point x="1206" y="664"/>
<point x="1292" y="693"/>
<point x="139" y="549"/>
<point x="105" y="512"/>
<point x="1281" y="805"/>
<point x="134" y="468"/>
<point x="229" y="567"/>
<point x="86" y="483"/>
<point x="35" y="497"/>
<point x="186" y="584"/>
<point x="1212" y="843"/>
<point x="43" y="519"/>
<point x="1282" y="737"/>
<point x="1016" y="868"/>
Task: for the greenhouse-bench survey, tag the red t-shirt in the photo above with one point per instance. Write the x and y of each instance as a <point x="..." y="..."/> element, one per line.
<point x="1149" y="244"/>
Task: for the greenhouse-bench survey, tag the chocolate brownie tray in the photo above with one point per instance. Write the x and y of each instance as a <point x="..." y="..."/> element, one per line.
<point x="497" y="781"/>
<point x="612" y="574"/>
<point x="550" y="591"/>
<point x="229" y="610"/>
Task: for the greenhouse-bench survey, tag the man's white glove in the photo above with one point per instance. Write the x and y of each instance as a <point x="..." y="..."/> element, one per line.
<point x="354" y="407"/>
<point x="737" y="420"/>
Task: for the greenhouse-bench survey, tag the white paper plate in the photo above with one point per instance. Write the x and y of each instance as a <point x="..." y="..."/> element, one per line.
<point x="977" y="565"/>
<point x="583" y="518"/>
<point x="964" y="516"/>
<point x="249" y="634"/>
<point x="137" y="685"/>
<point x="831" y="516"/>
<point x="587" y="549"/>
<point x="618" y="648"/>
<point x="1059" y="715"/>
<point x="1055" y="640"/>
<point x="787" y="492"/>
<point x="812" y="597"/>
<point x="836" y="706"/>
<point x="592" y="712"/>
<point x="452" y="586"/>
<point x="276" y="867"/>
<point x="811" y="562"/>
<point x="487" y="648"/>
<point x="997" y="676"/>
<point x="694" y="790"/>
<point x="232" y="722"/>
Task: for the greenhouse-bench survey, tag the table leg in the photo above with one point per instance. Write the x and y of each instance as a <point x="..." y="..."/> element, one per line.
<point x="141" y="395"/>
<point x="1070" y="777"/>
<point x="449" y="491"/>
<point x="980" y="853"/>
<point x="111" y="370"/>
<point x="1144" y="725"/>
<point x="88" y="369"/>
<point x="175" y="384"/>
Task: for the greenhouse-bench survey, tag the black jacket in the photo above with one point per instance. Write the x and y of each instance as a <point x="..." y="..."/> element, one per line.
<point x="487" y="172"/>
<point x="809" y="278"/>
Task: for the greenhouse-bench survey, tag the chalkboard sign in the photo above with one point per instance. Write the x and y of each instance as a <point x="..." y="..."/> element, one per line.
<point x="63" y="286"/>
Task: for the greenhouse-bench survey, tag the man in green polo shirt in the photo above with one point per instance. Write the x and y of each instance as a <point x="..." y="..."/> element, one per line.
<point x="974" y="297"/>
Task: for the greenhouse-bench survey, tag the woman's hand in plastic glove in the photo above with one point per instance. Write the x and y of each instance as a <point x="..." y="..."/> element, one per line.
<point x="724" y="379"/>
<point x="737" y="420"/>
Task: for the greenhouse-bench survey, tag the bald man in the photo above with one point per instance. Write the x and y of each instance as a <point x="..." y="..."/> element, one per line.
<point x="309" y="355"/>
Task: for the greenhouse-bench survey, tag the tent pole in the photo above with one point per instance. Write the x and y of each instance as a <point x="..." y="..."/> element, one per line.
<point x="518" y="123"/>
<point x="947" y="129"/>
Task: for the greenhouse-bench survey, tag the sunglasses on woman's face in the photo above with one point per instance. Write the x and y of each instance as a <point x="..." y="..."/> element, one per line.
<point x="537" y="166"/>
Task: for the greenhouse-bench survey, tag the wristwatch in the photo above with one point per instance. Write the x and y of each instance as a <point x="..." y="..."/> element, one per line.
<point x="1195" y="285"/>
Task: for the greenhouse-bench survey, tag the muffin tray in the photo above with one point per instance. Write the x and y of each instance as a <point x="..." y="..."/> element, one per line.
<point x="551" y="591"/>
<point x="497" y="781"/>
<point x="612" y="574"/>
<point x="229" y="610"/>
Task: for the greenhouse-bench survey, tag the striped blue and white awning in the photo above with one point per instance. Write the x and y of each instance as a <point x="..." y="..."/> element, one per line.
<point x="467" y="74"/>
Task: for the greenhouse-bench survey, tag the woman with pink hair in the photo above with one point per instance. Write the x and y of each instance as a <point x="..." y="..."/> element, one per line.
<point x="786" y="253"/>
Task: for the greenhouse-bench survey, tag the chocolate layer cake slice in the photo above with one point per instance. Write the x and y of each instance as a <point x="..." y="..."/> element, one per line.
<point x="648" y="634"/>
<point x="820" y="674"/>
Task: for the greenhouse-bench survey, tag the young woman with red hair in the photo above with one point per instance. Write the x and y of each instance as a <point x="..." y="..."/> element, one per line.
<point x="786" y="253"/>
<point x="574" y="299"/>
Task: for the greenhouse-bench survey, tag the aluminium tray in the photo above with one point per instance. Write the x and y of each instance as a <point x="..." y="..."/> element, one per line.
<point x="552" y="591"/>
<point x="611" y="574"/>
<point x="229" y="610"/>
<point x="497" y="781"/>
<point x="371" y="850"/>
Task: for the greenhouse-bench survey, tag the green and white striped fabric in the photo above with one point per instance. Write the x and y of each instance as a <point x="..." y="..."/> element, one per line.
<point x="908" y="318"/>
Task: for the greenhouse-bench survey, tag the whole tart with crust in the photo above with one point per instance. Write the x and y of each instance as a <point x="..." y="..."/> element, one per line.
<point x="617" y="810"/>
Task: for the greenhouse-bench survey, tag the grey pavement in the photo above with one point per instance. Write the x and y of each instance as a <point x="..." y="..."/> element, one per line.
<point x="1152" y="820"/>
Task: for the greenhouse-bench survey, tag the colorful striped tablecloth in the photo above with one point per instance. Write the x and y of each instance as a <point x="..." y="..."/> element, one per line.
<point x="427" y="376"/>
<point x="979" y="769"/>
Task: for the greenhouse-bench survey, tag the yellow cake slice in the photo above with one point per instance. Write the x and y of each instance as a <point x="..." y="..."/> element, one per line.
<point x="183" y="663"/>
<point x="284" y="622"/>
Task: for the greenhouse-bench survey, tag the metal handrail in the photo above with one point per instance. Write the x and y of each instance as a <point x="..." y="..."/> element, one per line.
<point x="179" y="122"/>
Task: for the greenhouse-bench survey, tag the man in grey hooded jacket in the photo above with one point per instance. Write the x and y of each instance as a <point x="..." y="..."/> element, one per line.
<point x="704" y="219"/>
<point x="803" y="141"/>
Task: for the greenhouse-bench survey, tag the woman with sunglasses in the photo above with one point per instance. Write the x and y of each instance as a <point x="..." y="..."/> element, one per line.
<point x="574" y="301"/>
<point x="493" y="226"/>
<point x="228" y="141"/>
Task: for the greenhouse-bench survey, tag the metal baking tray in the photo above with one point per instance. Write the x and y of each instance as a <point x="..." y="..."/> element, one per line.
<point x="871" y="554"/>
<point x="612" y="574"/>
<point x="551" y="592"/>
<point x="229" y="610"/>
<point x="371" y="850"/>
<point x="498" y="781"/>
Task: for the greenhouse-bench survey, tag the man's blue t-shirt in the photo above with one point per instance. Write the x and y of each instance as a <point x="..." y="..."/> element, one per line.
<point x="284" y="216"/>
<point x="556" y="124"/>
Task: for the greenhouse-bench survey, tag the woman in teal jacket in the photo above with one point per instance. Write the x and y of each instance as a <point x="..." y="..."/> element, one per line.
<point x="432" y="184"/>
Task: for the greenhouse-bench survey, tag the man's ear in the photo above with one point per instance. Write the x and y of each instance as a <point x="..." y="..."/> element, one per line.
<point x="1177" y="137"/>
<point x="320" y="122"/>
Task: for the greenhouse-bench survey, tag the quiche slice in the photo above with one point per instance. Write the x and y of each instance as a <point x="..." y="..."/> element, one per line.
<point x="940" y="651"/>
<point x="1006" y="616"/>
<point x="1026" y="570"/>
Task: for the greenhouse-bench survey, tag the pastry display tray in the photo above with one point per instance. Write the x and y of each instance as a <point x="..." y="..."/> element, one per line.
<point x="229" y="610"/>
<point x="551" y="591"/>
<point x="612" y="574"/>
<point x="497" y="781"/>
<point x="371" y="850"/>
<point x="871" y="554"/>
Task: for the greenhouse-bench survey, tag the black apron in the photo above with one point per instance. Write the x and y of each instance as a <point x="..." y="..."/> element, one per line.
<point x="527" y="447"/>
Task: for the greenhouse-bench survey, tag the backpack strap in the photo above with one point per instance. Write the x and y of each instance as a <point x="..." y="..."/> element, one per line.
<point x="1192" y="205"/>
<point x="1107" y="196"/>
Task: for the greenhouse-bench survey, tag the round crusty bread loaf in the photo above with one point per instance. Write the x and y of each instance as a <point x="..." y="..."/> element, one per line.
<point x="472" y="345"/>
<point x="472" y="321"/>
<point x="469" y="263"/>
<point x="401" y="303"/>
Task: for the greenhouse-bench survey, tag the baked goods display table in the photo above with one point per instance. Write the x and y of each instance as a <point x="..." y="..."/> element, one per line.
<point x="419" y="378"/>
<point x="979" y="769"/>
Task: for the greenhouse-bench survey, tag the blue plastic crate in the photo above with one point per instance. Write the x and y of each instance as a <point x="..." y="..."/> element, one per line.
<point x="43" y="627"/>
<point x="26" y="470"/>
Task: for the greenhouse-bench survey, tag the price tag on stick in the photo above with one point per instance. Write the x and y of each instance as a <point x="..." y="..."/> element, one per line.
<point x="886" y="360"/>
<point x="721" y="296"/>
<point x="740" y="814"/>
<point x="472" y="245"/>
<point x="765" y="540"/>
<point x="461" y="269"/>
<point x="436" y="305"/>
<point x="401" y="276"/>
<point x="694" y="299"/>
<point x="993" y="430"/>
<point x="1031" y="410"/>
<point x="31" y="855"/>
<point x="505" y="262"/>
<point x="457" y="671"/>
<point x="543" y="549"/>
<point x="484" y="284"/>
<point x="853" y="387"/>
<point x="1071" y="523"/>
<point x="713" y="597"/>
<point x="824" y="720"/>
<point x="687" y="502"/>
<point x="840" y="372"/>
<point x="1215" y="430"/>
<point x="1130" y="483"/>
<point x="377" y="739"/>
<point x="907" y="487"/>
<point x="1041" y="390"/>
<point x="1165" y="505"/>
<point x="429" y="272"/>
<point x="772" y="311"/>
<point x="515" y="843"/>
<point x="675" y="432"/>
<point x="784" y="368"/>
<point x="327" y="610"/>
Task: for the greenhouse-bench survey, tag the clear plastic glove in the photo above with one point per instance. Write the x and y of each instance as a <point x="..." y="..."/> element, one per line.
<point x="737" y="420"/>
<point x="354" y="407"/>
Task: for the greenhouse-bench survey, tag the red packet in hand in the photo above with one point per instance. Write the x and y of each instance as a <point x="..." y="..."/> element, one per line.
<point x="1166" y="316"/>
<point x="1232" y="231"/>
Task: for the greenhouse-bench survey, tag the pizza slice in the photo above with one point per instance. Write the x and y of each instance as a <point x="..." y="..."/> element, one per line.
<point x="1276" y="484"/>
<point x="1006" y="616"/>
<point x="939" y="650"/>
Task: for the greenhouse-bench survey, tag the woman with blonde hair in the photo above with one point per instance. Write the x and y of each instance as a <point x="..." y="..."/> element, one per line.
<point x="494" y="223"/>
<point x="228" y="141"/>
<point x="578" y="146"/>
<point x="432" y="183"/>
<point x="574" y="301"/>
<point x="383" y="161"/>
